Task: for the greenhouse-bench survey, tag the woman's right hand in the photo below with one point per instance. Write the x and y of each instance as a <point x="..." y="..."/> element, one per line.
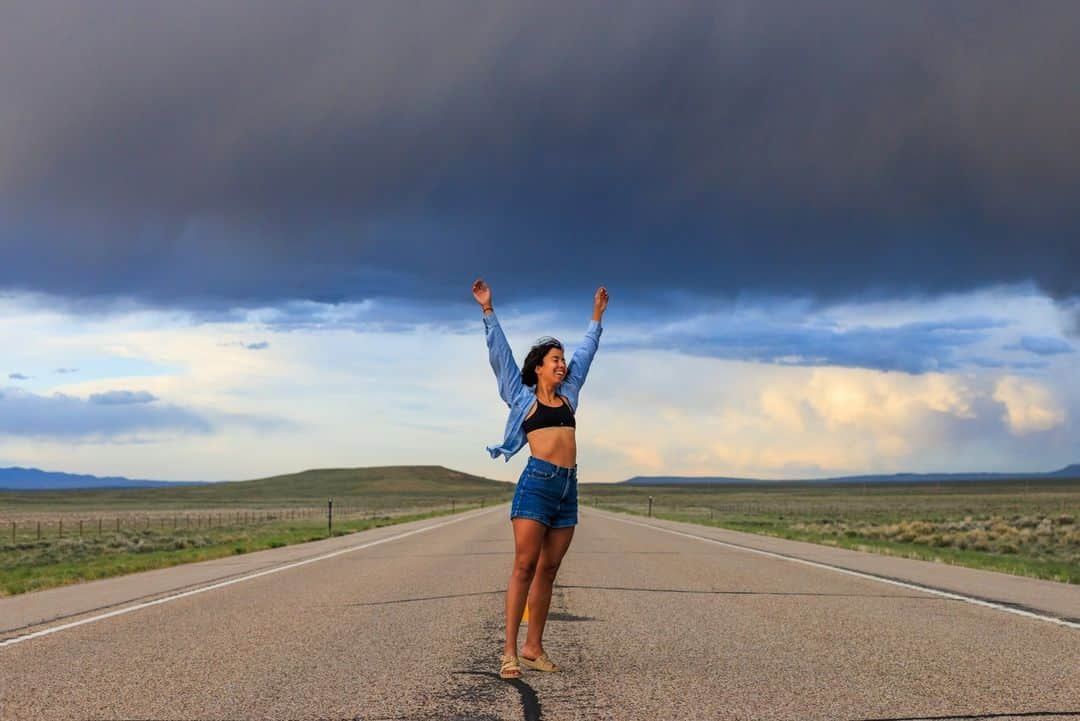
<point x="481" y="292"/>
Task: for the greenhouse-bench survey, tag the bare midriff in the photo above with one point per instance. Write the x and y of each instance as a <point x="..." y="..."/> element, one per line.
<point x="555" y="444"/>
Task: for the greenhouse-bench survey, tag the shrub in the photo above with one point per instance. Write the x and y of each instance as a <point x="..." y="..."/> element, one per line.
<point x="1001" y="528"/>
<point x="140" y="546"/>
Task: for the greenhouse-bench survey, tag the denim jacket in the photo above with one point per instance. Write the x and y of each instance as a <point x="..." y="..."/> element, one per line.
<point x="520" y="397"/>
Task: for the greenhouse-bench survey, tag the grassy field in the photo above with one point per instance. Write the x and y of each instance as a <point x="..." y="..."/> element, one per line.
<point x="377" y="487"/>
<point x="1027" y="528"/>
<point x="129" y="530"/>
<point x="34" y="565"/>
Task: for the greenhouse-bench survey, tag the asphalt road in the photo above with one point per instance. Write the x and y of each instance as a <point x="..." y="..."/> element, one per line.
<point x="648" y="624"/>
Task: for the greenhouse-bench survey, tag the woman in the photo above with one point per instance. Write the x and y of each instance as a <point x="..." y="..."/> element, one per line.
<point x="543" y="398"/>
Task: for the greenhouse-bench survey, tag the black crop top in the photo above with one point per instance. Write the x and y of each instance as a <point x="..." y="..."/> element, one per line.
<point x="547" y="416"/>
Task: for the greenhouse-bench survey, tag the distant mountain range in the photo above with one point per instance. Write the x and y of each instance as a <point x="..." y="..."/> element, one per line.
<point x="33" y="479"/>
<point x="1068" y="472"/>
<point x="407" y="485"/>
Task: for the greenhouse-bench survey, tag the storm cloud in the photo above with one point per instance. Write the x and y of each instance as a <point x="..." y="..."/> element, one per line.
<point x="911" y="348"/>
<point x="63" y="416"/>
<point x="1041" y="345"/>
<point x="120" y="398"/>
<point x="212" y="155"/>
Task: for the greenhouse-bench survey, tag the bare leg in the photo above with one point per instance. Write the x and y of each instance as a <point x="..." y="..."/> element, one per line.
<point x="552" y="551"/>
<point x="528" y="538"/>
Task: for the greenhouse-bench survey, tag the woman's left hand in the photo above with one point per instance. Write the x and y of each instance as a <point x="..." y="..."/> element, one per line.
<point x="601" y="299"/>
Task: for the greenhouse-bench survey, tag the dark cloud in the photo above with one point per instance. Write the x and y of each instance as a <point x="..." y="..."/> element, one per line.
<point x="984" y="362"/>
<point x="258" y="345"/>
<point x="63" y="416"/>
<point x="1071" y="315"/>
<point x="120" y="398"/>
<point x="115" y="417"/>
<point x="222" y="154"/>
<point x="67" y="370"/>
<point x="18" y="377"/>
<point x="374" y="316"/>
<point x="913" y="347"/>
<point x="1041" y="345"/>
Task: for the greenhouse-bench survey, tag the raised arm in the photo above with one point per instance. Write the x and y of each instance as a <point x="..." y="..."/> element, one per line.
<point x="578" y="367"/>
<point x="499" y="354"/>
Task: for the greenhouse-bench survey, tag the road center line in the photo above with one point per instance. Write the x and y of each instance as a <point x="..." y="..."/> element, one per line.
<point x="860" y="574"/>
<point x="240" y="579"/>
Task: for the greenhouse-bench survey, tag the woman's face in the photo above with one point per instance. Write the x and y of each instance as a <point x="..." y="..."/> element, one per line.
<point x="553" y="370"/>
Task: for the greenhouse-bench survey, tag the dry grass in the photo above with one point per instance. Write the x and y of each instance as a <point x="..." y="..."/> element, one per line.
<point x="1050" y="537"/>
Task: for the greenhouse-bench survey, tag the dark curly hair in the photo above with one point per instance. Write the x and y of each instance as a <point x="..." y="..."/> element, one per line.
<point x="536" y="358"/>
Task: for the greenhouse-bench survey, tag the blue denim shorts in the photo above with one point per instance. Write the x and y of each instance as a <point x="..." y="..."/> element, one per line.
<point x="546" y="493"/>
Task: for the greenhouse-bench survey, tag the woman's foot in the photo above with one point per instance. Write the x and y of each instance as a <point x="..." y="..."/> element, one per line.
<point x="509" y="667"/>
<point x="530" y="651"/>
<point x="540" y="663"/>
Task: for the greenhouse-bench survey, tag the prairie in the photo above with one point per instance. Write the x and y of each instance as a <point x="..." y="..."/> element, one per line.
<point x="1024" y="527"/>
<point x="53" y="538"/>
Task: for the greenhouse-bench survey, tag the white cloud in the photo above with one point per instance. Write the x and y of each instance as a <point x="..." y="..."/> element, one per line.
<point x="357" y="395"/>
<point x="844" y="397"/>
<point x="1029" y="406"/>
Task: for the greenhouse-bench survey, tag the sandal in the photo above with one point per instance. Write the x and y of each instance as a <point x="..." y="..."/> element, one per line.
<point x="540" y="663"/>
<point x="510" y="667"/>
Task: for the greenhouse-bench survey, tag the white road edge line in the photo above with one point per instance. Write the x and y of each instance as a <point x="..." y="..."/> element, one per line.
<point x="872" y="577"/>
<point x="203" y="589"/>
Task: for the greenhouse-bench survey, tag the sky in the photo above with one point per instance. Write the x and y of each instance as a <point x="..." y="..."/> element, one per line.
<point x="239" y="239"/>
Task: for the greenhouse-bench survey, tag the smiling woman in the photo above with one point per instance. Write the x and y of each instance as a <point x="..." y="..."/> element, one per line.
<point x="543" y="398"/>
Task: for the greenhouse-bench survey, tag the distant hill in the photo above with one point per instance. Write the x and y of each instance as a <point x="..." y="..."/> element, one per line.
<point x="374" y="480"/>
<point x="375" y="487"/>
<point x="1071" y="471"/>
<point x="33" y="479"/>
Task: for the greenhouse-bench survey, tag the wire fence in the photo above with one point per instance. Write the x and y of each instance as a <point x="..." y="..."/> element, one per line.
<point x="23" y="527"/>
<point x="711" y="510"/>
<point x="855" y="506"/>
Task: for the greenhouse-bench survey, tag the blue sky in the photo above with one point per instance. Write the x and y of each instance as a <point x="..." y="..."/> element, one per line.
<point x="838" y="238"/>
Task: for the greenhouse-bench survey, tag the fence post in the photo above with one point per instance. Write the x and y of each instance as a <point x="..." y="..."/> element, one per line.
<point x="330" y="517"/>
<point x="99" y="527"/>
<point x="39" y="530"/>
<point x="80" y="528"/>
<point x="118" y="524"/>
<point x="650" y="506"/>
<point x="61" y="528"/>
<point x="13" y="532"/>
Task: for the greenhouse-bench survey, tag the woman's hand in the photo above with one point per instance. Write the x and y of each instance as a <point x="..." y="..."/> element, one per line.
<point x="600" y="301"/>
<point x="482" y="293"/>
